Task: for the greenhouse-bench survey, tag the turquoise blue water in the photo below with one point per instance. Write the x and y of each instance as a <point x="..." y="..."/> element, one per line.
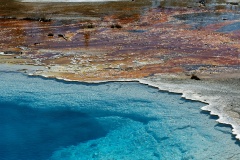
<point x="49" y="119"/>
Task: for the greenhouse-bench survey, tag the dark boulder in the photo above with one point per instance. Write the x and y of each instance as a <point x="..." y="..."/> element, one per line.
<point x="50" y="34"/>
<point x="195" y="77"/>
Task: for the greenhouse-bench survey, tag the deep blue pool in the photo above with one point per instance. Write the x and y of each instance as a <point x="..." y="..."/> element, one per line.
<point x="49" y="119"/>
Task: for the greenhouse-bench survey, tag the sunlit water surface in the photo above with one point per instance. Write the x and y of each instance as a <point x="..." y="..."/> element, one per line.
<point x="48" y="119"/>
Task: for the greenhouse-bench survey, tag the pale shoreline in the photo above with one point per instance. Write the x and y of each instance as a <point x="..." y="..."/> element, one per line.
<point x="212" y="91"/>
<point x="195" y="92"/>
<point x="219" y="99"/>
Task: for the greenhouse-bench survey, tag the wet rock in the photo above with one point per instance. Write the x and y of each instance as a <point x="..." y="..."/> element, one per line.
<point x="50" y="34"/>
<point x="116" y="26"/>
<point x="36" y="44"/>
<point x="195" y="77"/>
<point x="44" y="20"/>
<point x="112" y="26"/>
<point x="90" y="25"/>
<point x="62" y="36"/>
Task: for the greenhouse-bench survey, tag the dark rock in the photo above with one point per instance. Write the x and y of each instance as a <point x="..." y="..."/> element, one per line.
<point x="28" y="19"/>
<point x="62" y="36"/>
<point x="44" y="20"/>
<point x="116" y="26"/>
<point x="112" y="26"/>
<point x="233" y="3"/>
<point x="90" y="26"/>
<point x="202" y="2"/>
<point x="50" y="34"/>
<point x="195" y="77"/>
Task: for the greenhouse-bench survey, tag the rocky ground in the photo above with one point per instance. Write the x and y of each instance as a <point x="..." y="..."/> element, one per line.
<point x="130" y="44"/>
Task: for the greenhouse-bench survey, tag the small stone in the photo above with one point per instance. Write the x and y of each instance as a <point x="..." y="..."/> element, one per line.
<point x="90" y="26"/>
<point x="50" y="34"/>
<point x="116" y="26"/>
<point x="112" y="26"/>
<point x="195" y="77"/>
<point x="202" y="2"/>
<point x="63" y="36"/>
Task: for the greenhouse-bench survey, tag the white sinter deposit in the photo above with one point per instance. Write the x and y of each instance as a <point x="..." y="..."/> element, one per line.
<point x="220" y="94"/>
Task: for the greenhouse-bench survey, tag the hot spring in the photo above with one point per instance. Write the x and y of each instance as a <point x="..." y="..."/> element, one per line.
<point x="51" y="119"/>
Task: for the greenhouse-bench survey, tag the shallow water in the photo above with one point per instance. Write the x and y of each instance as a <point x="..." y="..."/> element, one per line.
<point x="230" y="28"/>
<point x="49" y="119"/>
<point x="201" y="20"/>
